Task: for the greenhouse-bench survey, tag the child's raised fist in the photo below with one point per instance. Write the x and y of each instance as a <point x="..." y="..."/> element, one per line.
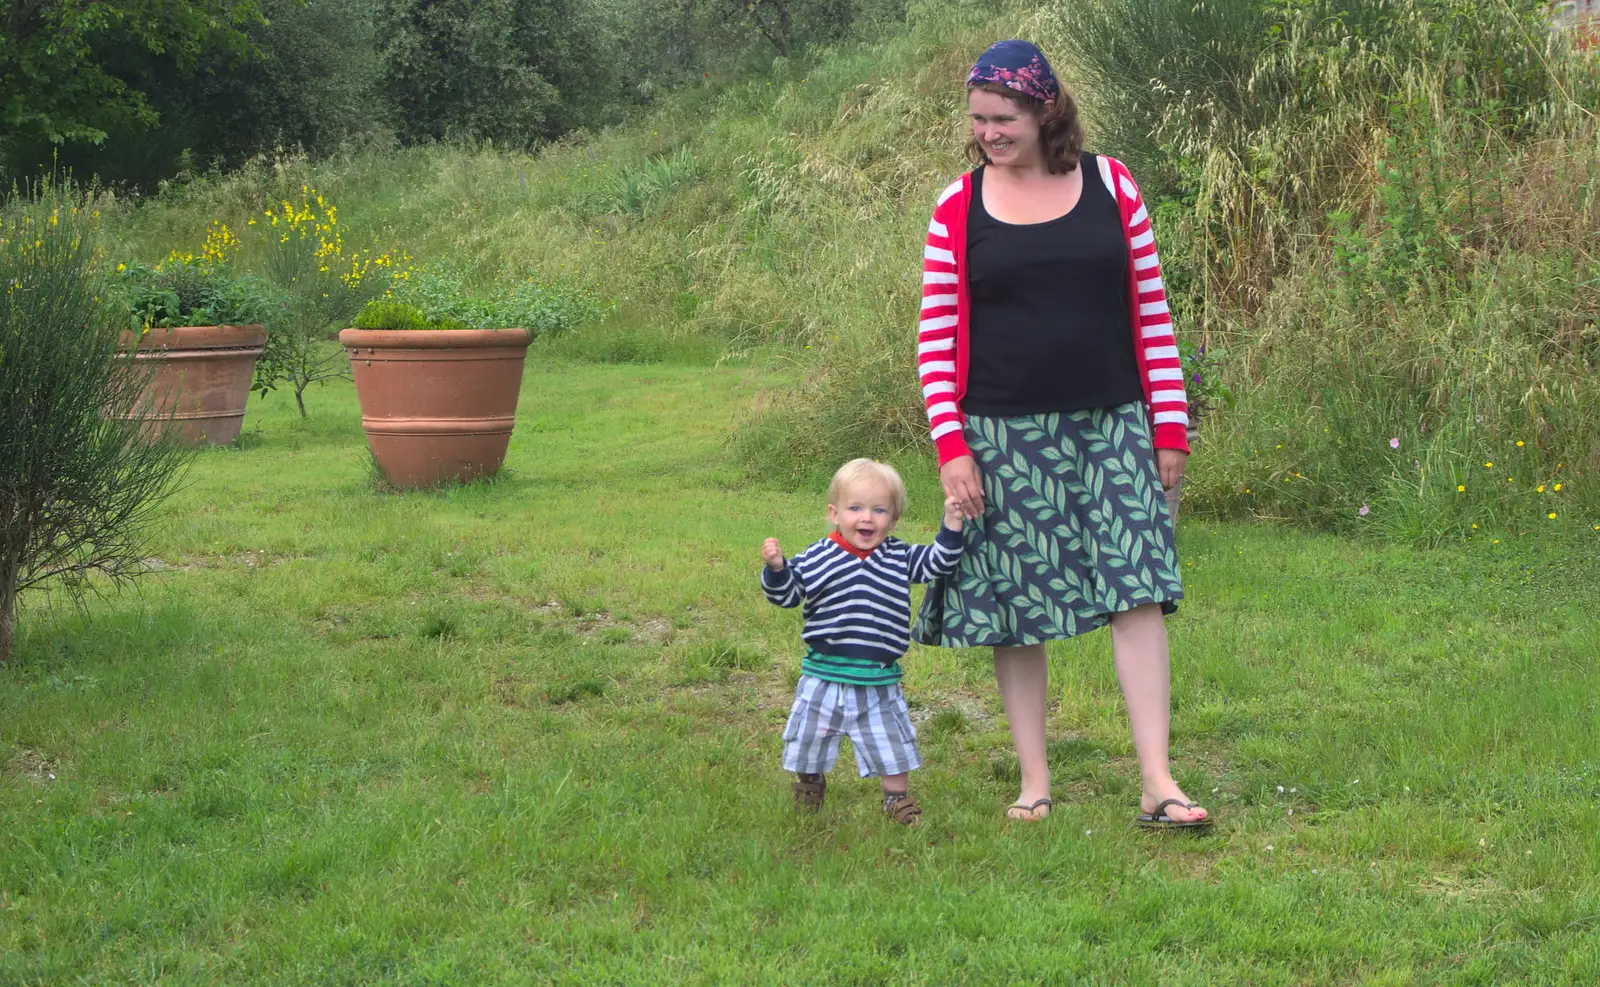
<point x="772" y="555"/>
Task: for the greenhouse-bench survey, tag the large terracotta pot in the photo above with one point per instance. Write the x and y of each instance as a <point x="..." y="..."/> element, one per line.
<point x="437" y="404"/>
<point x="200" y="382"/>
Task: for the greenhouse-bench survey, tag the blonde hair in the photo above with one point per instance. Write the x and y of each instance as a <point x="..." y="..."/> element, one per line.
<point x="857" y="470"/>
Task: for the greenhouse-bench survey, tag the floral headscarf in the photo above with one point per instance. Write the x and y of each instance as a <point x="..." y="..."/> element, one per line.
<point x="1018" y="65"/>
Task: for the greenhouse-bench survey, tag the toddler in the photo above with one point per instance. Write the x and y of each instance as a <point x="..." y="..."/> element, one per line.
<point x="856" y="584"/>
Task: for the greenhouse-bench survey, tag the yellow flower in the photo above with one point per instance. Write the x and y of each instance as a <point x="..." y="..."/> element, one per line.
<point x="1461" y="488"/>
<point x="1495" y="542"/>
<point x="1551" y="515"/>
<point x="1488" y="466"/>
<point x="1558" y="488"/>
<point x="121" y="268"/>
<point x="1474" y="527"/>
<point x="1519" y="443"/>
<point x="1541" y="488"/>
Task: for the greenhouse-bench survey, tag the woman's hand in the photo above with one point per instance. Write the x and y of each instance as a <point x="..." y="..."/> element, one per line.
<point x="963" y="484"/>
<point x="1170" y="464"/>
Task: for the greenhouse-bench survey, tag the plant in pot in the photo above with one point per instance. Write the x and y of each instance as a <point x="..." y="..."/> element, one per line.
<point x="438" y="399"/>
<point x="200" y="331"/>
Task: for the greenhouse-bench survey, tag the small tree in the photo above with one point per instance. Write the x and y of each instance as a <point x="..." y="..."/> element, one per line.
<point x="79" y="480"/>
<point x="320" y="287"/>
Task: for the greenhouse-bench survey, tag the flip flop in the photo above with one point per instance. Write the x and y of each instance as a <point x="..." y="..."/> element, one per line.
<point x="1160" y="820"/>
<point x="1030" y="809"/>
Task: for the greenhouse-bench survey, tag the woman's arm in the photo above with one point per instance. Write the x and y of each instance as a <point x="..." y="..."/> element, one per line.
<point x="937" y="339"/>
<point x="936" y="335"/>
<point x="1163" y="371"/>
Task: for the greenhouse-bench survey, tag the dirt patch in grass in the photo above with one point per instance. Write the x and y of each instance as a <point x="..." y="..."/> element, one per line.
<point x="32" y="764"/>
<point x="601" y="625"/>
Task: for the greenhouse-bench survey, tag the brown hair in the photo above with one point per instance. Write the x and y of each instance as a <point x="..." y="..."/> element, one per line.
<point x="1060" y="130"/>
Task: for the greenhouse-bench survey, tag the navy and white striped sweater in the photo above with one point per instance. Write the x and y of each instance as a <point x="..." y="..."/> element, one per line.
<point x="859" y="607"/>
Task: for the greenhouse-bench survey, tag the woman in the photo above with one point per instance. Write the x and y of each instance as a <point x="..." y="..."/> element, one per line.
<point x="1056" y="401"/>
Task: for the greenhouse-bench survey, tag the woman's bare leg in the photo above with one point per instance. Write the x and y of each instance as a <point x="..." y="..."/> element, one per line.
<point x="1023" y="675"/>
<point x="1139" y="646"/>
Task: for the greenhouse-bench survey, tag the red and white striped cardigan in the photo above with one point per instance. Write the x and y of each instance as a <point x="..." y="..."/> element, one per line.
<point x="942" y="337"/>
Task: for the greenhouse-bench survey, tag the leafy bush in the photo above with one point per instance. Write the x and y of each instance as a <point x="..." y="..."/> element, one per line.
<point x="186" y="292"/>
<point x="441" y="294"/>
<point x="387" y="314"/>
<point x="78" y="480"/>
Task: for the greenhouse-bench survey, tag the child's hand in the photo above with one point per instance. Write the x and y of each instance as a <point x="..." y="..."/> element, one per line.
<point x="952" y="513"/>
<point x="772" y="555"/>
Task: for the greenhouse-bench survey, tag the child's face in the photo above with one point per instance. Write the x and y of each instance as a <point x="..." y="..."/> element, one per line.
<point x="864" y="514"/>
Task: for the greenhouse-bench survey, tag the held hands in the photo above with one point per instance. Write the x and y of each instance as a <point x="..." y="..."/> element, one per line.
<point x="772" y="555"/>
<point x="952" y="514"/>
<point x="963" y="485"/>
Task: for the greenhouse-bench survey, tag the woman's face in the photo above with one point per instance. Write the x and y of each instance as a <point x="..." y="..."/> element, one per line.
<point x="1008" y="133"/>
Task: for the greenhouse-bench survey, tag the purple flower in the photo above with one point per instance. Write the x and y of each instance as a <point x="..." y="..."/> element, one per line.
<point x="1197" y="378"/>
<point x="1394" y="443"/>
<point x="1365" y="510"/>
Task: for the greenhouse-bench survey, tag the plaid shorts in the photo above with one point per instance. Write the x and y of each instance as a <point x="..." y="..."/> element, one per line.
<point x="874" y="717"/>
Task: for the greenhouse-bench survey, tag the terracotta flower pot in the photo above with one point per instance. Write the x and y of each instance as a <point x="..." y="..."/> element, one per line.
<point x="437" y="404"/>
<point x="201" y="381"/>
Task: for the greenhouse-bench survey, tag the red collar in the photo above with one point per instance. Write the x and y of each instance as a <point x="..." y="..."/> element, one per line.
<point x="838" y="539"/>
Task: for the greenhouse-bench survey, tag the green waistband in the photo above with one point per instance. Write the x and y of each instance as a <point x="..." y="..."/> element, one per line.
<point x="849" y="671"/>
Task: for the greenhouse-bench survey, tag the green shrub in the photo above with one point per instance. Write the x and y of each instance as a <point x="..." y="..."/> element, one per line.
<point x="184" y="291"/>
<point x="441" y="294"/>
<point x="79" y="483"/>
<point x="387" y="314"/>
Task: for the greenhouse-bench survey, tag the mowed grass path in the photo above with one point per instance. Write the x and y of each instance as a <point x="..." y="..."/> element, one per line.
<point x="527" y="732"/>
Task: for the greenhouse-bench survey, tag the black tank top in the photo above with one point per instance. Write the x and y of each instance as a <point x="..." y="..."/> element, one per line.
<point x="1049" y="322"/>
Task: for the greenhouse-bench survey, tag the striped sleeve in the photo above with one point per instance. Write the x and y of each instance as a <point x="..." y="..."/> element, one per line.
<point x="925" y="563"/>
<point x="1169" y="405"/>
<point x="936" y="335"/>
<point x="782" y="587"/>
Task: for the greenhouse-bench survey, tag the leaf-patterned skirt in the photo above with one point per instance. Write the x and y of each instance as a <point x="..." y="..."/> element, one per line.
<point x="1075" y="528"/>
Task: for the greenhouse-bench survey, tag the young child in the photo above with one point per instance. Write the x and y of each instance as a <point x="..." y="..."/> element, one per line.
<point x="856" y="584"/>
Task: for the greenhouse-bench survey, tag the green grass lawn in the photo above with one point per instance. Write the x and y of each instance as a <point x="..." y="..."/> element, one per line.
<point x="527" y="731"/>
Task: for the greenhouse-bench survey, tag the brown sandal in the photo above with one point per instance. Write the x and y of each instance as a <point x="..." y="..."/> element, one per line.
<point x="903" y="809"/>
<point x="808" y="794"/>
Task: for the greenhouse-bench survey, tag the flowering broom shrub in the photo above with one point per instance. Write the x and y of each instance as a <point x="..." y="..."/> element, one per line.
<point x="79" y="480"/>
<point x="321" y="284"/>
